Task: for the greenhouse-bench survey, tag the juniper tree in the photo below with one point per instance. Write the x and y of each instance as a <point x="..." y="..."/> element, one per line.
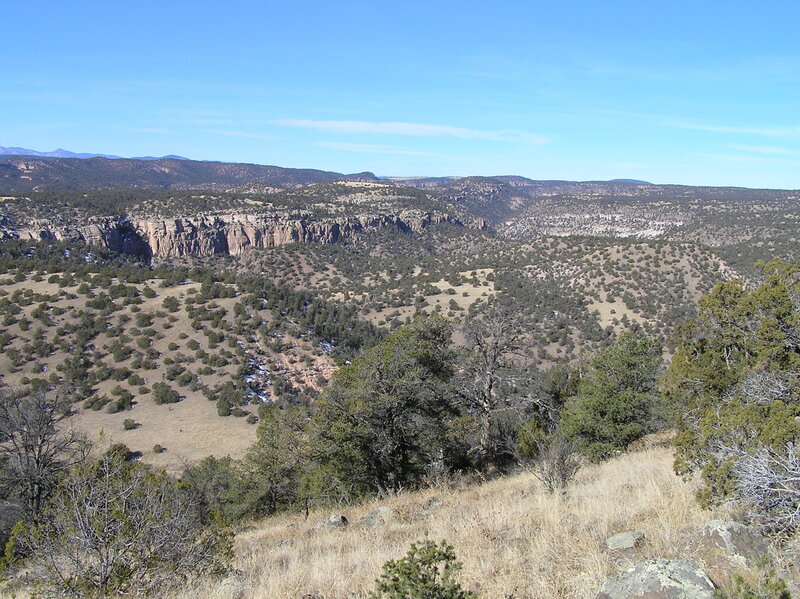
<point x="615" y="397"/>
<point x="735" y="383"/>
<point x="386" y="417"/>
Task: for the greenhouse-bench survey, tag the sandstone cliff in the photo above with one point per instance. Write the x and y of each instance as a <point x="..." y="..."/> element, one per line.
<point x="205" y="235"/>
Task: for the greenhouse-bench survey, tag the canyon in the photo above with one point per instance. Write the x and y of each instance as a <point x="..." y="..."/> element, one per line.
<point x="227" y="234"/>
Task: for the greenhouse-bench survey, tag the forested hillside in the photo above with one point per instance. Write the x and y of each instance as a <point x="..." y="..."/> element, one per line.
<point x="186" y="353"/>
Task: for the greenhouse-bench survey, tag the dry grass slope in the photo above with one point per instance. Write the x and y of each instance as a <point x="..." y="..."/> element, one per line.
<point x="515" y="539"/>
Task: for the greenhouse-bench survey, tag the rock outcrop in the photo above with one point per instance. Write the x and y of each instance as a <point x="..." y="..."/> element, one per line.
<point x="726" y="547"/>
<point x="659" y="579"/>
<point x="233" y="586"/>
<point x="378" y="517"/>
<point x="206" y="235"/>
<point x="334" y="522"/>
<point x="115" y="234"/>
<point x="624" y="542"/>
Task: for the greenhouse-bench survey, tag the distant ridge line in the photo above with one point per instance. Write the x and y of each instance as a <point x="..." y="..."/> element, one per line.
<point x="62" y="153"/>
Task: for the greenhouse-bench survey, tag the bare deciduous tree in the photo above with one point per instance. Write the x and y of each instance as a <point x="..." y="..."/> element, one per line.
<point x="558" y="463"/>
<point x="114" y="527"/>
<point x="37" y="445"/>
<point x="760" y="387"/>
<point x="495" y="338"/>
<point x="769" y="480"/>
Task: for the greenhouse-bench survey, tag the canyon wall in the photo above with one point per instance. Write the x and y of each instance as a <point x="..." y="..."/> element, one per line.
<point x="206" y="235"/>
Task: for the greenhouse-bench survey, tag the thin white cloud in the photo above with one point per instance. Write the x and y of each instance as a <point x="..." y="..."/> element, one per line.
<point x="632" y="165"/>
<point x="200" y="121"/>
<point x="371" y="148"/>
<point x="412" y="129"/>
<point x="766" y="131"/>
<point x="770" y="150"/>
<point x="157" y="130"/>
<point x="740" y="159"/>
<point x="234" y="133"/>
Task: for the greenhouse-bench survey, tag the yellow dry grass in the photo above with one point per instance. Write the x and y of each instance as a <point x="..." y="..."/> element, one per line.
<point x="513" y="538"/>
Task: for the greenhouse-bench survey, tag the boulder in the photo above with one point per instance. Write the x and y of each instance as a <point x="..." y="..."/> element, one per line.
<point x="726" y="546"/>
<point x="624" y="541"/>
<point x="378" y="517"/>
<point x="659" y="579"/>
<point x="336" y="521"/>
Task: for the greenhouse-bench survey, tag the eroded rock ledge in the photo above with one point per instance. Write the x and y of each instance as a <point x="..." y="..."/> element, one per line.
<point x="206" y="235"/>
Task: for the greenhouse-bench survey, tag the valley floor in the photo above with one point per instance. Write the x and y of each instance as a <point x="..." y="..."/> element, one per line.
<point x="514" y="539"/>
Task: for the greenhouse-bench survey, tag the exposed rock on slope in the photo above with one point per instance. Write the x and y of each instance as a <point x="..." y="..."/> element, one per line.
<point x="726" y="547"/>
<point x="659" y="579"/>
<point x="206" y="235"/>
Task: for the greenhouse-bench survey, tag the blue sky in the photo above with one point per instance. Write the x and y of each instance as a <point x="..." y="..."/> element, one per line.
<point x="670" y="92"/>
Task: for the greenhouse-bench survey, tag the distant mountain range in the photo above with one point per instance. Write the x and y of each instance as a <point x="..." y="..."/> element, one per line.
<point x="61" y="153"/>
<point x="23" y="173"/>
<point x="422" y="182"/>
<point x="493" y="198"/>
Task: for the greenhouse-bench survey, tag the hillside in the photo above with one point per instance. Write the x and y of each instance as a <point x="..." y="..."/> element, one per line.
<point x="133" y="205"/>
<point x="514" y="538"/>
<point x="310" y="339"/>
<point x="36" y="173"/>
<point x="185" y="358"/>
<point x="581" y="261"/>
<point x="186" y="362"/>
<point x="576" y="290"/>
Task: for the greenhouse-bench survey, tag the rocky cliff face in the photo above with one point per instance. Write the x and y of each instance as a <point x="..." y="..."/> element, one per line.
<point x="206" y="235"/>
